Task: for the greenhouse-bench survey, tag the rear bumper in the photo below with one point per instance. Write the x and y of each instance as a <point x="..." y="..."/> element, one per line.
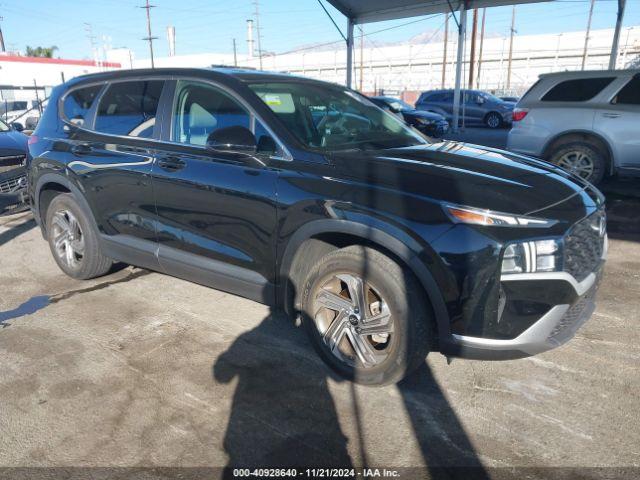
<point x="553" y="329"/>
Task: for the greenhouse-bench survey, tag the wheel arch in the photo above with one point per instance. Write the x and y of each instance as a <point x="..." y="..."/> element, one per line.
<point x="581" y="136"/>
<point x="47" y="188"/>
<point x="317" y="238"/>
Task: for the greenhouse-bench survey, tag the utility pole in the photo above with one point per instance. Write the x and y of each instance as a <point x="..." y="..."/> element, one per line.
<point x="513" y="31"/>
<point x="446" y="41"/>
<point x="361" y="55"/>
<point x="2" y="38"/>
<point x="235" y="54"/>
<point x="472" y="57"/>
<point x="484" y="17"/>
<point x="149" y="37"/>
<point x="586" y="36"/>
<point x="258" y="34"/>
<point x="92" y="41"/>
<point x="613" y="60"/>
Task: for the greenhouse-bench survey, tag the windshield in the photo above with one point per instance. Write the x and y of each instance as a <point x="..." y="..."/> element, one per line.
<point x="398" y="105"/>
<point x="4" y="127"/>
<point x="328" y="118"/>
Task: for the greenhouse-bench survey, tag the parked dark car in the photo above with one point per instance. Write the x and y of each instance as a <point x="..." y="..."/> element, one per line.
<point x="429" y="123"/>
<point x="476" y="107"/>
<point x="13" y="154"/>
<point x="386" y="244"/>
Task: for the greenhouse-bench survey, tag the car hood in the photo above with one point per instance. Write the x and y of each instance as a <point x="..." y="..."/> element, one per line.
<point x="424" y="114"/>
<point x="474" y="176"/>
<point x="12" y="143"/>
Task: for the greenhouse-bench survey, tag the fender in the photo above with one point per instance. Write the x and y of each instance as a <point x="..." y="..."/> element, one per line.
<point x="379" y="237"/>
<point x="69" y="185"/>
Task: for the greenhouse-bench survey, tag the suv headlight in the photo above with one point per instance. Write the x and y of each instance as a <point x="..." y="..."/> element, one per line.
<point x="476" y="216"/>
<point x="530" y="257"/>
<point x="425" y="121"/>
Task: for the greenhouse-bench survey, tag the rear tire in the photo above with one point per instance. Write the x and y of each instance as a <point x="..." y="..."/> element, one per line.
<point x="73" y="240"/>
<point x="493" y="120"/>
<point x="375" y="341"/>
<point x="580" y="158"/>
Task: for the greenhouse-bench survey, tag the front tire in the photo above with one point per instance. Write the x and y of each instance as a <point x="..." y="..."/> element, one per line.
<point x="493" y="120"/>
<point x="366" y="316"/>
<point x="73" y="240"/>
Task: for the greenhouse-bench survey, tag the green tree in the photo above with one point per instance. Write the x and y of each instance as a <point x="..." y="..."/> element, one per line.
<point x="46" y="52"/>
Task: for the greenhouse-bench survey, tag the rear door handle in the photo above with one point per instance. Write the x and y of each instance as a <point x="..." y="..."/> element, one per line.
<point x="81" y="149"/>
<point x="171" y="164"/>
<point x="611" y="115"/>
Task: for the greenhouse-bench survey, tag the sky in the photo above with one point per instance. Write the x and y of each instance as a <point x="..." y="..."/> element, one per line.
<point x="210" y="25"/>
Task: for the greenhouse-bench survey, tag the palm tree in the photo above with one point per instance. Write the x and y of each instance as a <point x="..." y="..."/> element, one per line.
<point x="46" y="52"/>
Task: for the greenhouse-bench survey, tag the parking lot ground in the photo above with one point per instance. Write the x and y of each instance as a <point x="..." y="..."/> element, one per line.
<point x="141" y="369"/>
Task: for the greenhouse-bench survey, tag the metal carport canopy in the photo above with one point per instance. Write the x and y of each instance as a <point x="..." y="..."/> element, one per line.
<point x="367" y="11"/>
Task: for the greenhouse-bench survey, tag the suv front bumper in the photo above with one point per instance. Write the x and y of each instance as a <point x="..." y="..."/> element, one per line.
<point x="554" y="328"/>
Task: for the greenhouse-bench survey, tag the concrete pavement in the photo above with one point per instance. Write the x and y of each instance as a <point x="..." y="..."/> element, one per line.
<point x="140" y="369"/>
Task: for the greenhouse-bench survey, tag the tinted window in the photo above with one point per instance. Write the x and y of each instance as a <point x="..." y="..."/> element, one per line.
<point x="129" y="108"/>
<point x="436" y="97"/>
<point x="332" y="118"/>
<point x="630" y="93"/>
<point x="78" y="103"/>
<point x="579" y="90"/>
<point x="201" y="109"/>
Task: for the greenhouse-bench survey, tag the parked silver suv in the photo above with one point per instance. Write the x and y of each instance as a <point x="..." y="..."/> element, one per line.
<point x="586" y="122"/>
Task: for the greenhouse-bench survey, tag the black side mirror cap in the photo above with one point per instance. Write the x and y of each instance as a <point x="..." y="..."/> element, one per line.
<point x="17" y="126"/>
<point x="236" y="138"/>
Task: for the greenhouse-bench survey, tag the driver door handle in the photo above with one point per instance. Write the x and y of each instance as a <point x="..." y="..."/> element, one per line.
<point x="171" y="164"/>
<point x="81" y="149"/>
<point x="611" y="115"/>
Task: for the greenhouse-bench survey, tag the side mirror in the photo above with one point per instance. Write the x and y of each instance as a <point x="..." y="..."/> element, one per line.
<point x="237" y="138"/>
<point x="479" y="100"/>
<point x="17" y="126"/>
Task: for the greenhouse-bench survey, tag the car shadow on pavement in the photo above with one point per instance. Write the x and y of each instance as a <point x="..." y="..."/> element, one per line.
<point x="623" y="208"/>
<point x="283" y="414"/>
<point x="15" y="231"/>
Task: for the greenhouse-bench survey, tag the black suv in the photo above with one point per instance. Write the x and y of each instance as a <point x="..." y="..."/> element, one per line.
<point x="304" y="195"/>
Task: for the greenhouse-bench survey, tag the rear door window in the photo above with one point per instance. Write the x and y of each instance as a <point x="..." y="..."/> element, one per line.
<point x="78" y="103"/>
<point x="630" y="93"/>
<point x="129" y="108"/>
<point x="578" y="90"/>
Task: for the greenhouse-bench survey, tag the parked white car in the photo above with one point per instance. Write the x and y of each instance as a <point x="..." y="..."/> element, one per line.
<point x="586" y="122"/>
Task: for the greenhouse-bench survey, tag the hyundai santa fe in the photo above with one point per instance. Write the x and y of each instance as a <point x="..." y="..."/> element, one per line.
<point x="305" y="196"/>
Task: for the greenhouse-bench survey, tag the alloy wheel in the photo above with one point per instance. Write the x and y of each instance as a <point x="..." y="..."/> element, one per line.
<point x="493" y="121"/>
<point x="353" y="319"/>
<point x="68" y="239"/>
<point x="577" y="162"/>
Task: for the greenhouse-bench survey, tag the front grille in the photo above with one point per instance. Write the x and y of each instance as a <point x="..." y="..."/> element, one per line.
<point x="13" y="185"/>
<point x="575" y="316"/>
<point x="583" y="246"/>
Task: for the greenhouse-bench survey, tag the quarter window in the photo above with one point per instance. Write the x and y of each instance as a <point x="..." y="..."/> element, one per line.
<point x="129" y="108"/>
<point x="630" y="93"/>
<point x="78" y="103"/>
<point x="579" y="90"/>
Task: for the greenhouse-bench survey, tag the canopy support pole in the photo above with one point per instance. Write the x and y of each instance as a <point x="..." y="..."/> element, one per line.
<point x="613" y="60"/>
<point x="456" y="95"/>
<point x="350" y="25"/>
